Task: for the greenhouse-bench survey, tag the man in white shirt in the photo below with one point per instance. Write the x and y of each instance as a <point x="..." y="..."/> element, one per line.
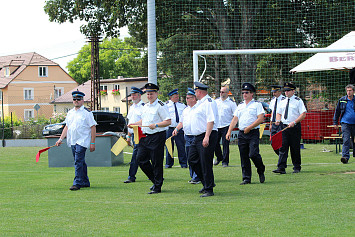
<point x="80" y="130"/>
<point x="134" y="115"/>
<point x="204" y="127"/>
<point x="250" y="114"/>
<point x="175" y="110"/>
<point x="155" y="121"/>
<point x="275" y="102"/>
<point x="226" y="107"/>
<point x="185" y="123"/>
<point x="290" y="114"/>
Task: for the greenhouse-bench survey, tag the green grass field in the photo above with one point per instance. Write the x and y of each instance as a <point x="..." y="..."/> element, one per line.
<point x="36" y="201"/>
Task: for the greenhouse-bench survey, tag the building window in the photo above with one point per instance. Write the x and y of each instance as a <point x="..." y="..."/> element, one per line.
<point x="28" y="114"/>
<point x="28" y="93"/>
<point x="58" y="92"/>
<point x="103" y="88"/>
<point x="105" y="109"/>
<point x="116" y="87"/>
<point x="43" y="71"/>
<point x="7" y="71"/>
<point x="116" y="109"/>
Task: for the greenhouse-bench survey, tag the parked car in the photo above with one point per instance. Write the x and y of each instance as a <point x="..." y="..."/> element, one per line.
<point x="106" y="122"/>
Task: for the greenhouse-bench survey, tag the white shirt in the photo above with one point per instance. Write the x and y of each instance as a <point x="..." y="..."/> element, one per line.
<point x="226" y="109"/>
<point x="248" y="113"/>
<point x="272" y="104"/>
<point x="186" y="119"/>
<point x="79" y="123"/>
<point x="135" y="113"/>
<point x="154" y="113"/>
<point x="295" y="109"/>
<point x="180" y="107"/>
<point x="206" y="111"/>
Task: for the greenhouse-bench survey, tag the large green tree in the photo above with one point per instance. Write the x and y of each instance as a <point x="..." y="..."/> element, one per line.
<point x="117" y="58"/>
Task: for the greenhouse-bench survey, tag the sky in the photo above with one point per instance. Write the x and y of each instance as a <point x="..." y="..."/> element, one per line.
<point x="26" y="28"/>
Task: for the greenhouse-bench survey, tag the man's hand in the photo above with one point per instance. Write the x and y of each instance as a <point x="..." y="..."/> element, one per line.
<point x="206" y="141"/>
<point x="228" y="136"/>
<point x="152" y="126"/>
<point x="175" y="132"/>
<point x="247" y="130"/>
<point x="59" y="142"/>
<point x="92" y="147"/>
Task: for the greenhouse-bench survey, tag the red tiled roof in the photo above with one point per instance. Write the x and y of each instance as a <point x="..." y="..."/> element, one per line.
<point x="21" y="61"/>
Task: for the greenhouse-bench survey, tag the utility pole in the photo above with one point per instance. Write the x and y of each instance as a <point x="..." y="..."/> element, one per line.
<point x="95" y="80"/>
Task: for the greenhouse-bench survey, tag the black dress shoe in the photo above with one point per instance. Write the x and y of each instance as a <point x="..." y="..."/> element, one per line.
<point x="225" y="165"/>
<point x="154" y="192"/>
<point x="207" y="194"/>
<point x="202" y="190"/>
<point x="151" y="188"/>
<point x="74" y="188"/>
<point x="279" y="171"/>
<point x="216" y="162"/>
<point x="296" y="171"/>
<point x="262" y="178"/>
<point x="129" y="181"/>
<point x="245" y="182"/>
<point x="344" y="160"/>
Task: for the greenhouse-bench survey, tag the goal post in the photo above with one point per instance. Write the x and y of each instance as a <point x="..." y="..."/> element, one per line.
<point x="197" y="53"/>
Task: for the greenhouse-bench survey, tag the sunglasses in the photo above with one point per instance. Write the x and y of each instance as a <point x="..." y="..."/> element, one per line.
<point x="245" y="92"/>
<point x="222" y="92"/>
<point x="76" y="99"/>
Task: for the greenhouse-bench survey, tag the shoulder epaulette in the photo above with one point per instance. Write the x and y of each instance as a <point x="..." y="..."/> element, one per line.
<point x="283" y="98"/>
<point x="297" y="98"/>
<point x="209" y="100"/>
<point x="240" y="103"/>
<point x="161" y="103"/>
<point x="257" y="101"/>
<point x="231" y="99"/>
<point x="87" y="109"/>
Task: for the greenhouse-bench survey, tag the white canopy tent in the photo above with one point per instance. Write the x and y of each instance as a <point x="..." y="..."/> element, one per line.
<point x="331" y="61"/>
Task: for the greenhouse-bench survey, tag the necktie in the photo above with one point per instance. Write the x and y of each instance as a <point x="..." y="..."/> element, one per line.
<point x="286" y="111"/>
<point x="176" y="113"/>
<point x="274" y="113"/>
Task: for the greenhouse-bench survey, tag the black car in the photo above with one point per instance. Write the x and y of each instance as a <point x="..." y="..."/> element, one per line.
<point x="106" y="121"/>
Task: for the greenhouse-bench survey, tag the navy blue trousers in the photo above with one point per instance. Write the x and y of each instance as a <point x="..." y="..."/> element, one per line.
<point x="81" y="178"/>
<point x="133" y="166"/>
<point x="180" y="144"/>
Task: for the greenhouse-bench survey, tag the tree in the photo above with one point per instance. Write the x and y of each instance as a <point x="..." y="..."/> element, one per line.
<point x="117" y="58"/>
<point x="102" y="17"/>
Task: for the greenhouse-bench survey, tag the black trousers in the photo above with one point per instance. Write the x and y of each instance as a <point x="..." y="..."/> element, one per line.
<point x="275" y="129"/>
<point x="291" y="139"/>
<point x="201" y="159"/>
<point x="249" y="149"/>
<point x="150" y="157"/>
<point x="225" y="143"/>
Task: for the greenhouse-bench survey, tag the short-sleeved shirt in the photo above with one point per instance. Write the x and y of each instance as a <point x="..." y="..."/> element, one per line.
<point x="295" y="109"/>
<point x="154" y="113"/>
<point x="79" y="123"/>
<point x="206" y="111"/>
<point x="226" y="109"/>
<point x="186" y="119"/>
<point x="179" y="106"/>
<point x="247" y="114"/>
<point x="135" y="113"/>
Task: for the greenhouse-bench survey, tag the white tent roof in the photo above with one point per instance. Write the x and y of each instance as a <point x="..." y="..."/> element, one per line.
<point x="331" y="61"/>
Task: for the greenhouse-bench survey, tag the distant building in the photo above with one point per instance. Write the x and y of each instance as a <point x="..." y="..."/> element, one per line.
<point x="29" y="81"/>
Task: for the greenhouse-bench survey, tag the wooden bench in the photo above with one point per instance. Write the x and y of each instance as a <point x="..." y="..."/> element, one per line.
<point x="336" y="137"/>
